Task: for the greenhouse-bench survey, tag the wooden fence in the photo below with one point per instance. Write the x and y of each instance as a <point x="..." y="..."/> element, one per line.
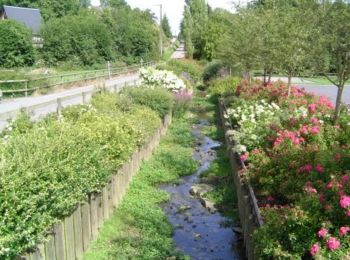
<point x="71" y="237"/>
<point x="249" y="212"/>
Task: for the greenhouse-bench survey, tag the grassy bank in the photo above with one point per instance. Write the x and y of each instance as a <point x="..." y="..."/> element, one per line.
<point x="139" y="228"/>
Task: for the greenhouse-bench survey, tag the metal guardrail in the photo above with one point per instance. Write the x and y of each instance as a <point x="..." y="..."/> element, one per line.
<point x="58" y="104"/>
<point x="66" y="79"/>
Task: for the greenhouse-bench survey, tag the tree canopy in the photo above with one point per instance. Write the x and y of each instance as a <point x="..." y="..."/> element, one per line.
<point x="166" y="27"/>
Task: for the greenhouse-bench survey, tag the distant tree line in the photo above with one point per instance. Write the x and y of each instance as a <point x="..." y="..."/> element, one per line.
<point x="290" y="37"/>
<point x="80" y="36"/>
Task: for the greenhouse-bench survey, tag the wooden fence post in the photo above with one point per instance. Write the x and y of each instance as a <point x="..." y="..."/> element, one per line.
<point x="69" y="240"/>
<point x="26" y="88"/>
<point x="86" y="225"/>
<point x="78" y="236"/>
<point x="59" y="241"/>
<point x="50" y="252"/>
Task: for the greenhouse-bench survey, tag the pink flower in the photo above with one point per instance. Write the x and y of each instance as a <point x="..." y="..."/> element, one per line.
<point x="348" y="213"/>
<point x="333" y="243"/>
<point x="309" y="188"/>
<point x="345" y="178"/>
<point x="322" y="232"/>
<point x="315" y="130"/>
<point x="329" y="185"/>
<point x="315" y="248"/>
<point x="319" y="168"/>
<point x="337" y="157"/>
<point x="314" y="120"/>
<point x="312" y="108"/>
<point x="322" y="199"/>
<point x="344" y="201"/>
<point x="244" y="157"/>
<point x="343" y="231"/>
<point x="306" y="168"/>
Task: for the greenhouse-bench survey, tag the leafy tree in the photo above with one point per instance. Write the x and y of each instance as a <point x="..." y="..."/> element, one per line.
<point x="187" y="29"/>
<point x="166" y="27"/>
<point x="85" y="3"/>
<point x="82" y="39"/>
<point x="49" y="8"/>
<point x="218" y="25"/>
<point x="134" y="34"/>
<point x="114" y="3"/>
<point x="15" y="45"/>
<point x="335" y="47"/>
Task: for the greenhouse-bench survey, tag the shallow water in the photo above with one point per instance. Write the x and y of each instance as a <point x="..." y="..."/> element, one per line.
<point x="199" y="233"/>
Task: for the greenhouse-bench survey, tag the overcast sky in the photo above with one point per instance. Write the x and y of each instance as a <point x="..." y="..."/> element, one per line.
<point x="172" y="8"/>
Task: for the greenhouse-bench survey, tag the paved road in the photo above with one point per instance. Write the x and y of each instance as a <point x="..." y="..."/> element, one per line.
<point x="328" y="90"/>
<point x="180" y="53"/>
<point x="45" y="104"/>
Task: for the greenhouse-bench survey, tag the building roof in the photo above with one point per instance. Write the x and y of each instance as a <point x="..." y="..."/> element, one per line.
<point x="31" y="17"/>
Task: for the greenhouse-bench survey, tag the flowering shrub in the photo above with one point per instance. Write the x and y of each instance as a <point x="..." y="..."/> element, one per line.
<point x="47" y="168"/>
<point x="298" y="164"/>
<point x="161" y="78"/>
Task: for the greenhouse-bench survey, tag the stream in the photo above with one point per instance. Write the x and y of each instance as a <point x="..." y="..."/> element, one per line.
<point x="200" y="233"/>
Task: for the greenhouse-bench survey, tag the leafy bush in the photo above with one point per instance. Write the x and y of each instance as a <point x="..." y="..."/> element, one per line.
<point x="223" y="86"/>
<point x="48" y="167"/>
<point x="184" y="68"/>
<point x="159" y="100"/>
<point x="16" y="47"/>
<point x="83" y="39"/>
<point x="213" y="70"/>
<point x="297" y="162"/>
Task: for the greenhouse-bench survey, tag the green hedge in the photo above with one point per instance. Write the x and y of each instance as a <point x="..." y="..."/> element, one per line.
<point x="159" y="100"/>
<point x="48" y="167"/>
<point x="16" y="48"/>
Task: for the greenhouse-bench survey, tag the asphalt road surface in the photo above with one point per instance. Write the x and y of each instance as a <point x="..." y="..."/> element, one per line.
<point x="180" y="53"/>
<point x="45" y="104"/>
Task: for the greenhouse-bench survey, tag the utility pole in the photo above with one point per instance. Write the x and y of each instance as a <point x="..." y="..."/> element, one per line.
<point x="160" y="30"/>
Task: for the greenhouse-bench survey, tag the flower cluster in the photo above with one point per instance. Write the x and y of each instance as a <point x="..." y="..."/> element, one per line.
<point x="302" y="164"/>
<point x="152" y="78"/>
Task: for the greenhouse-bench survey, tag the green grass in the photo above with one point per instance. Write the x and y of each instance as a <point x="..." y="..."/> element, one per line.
<point x="139" y="229"/>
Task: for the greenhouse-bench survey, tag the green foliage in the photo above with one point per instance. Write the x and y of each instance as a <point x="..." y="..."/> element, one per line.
<point x="15" y="45"/>
<point x="213" y="70"/>
<point x="49" y="8"/>
<point x="188" y="69"/>
<point x="159" y="100"/>
<point x="134" y="34"/>
<point x="82" y="39"/>
<point x="224" y="86"/>
<point x="48" y="167"/>
<point x="139" y="228"/>
<point x="166" y="27"/>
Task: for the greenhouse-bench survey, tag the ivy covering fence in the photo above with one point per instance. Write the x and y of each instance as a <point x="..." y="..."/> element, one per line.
<point x="48" y="167"/>
<point x="297" y="162"/>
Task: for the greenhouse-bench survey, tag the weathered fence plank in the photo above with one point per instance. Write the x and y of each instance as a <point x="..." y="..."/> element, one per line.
<point x="86" y="225"/>
<point x="69" y="238"/>
<point x="78" y="233"/>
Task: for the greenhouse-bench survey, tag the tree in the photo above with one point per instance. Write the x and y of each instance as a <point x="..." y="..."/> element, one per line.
<point x="16" y="48"/>
<point x="335" y="48"/>
<point x="114" y="3"/>
<point x="81" y="39"/>
<point x="49" y="8"/>
<point x="166" y="27"/>
<point x="218" y="25"/>
<point x="187" y="32"/>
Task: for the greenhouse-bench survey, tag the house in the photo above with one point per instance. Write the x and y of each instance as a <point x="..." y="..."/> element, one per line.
<point x="30" y="17"/>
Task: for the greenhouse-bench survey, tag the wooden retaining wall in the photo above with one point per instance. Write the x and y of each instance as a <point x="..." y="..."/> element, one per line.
<point x="249" y="212"/>
<point x="71" y="237"/>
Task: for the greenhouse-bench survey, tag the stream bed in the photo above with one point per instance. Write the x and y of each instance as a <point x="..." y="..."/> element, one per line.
<point x="199" y="232"/>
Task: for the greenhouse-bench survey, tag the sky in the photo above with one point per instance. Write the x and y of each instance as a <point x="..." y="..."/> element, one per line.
<point x="172" y="8"/>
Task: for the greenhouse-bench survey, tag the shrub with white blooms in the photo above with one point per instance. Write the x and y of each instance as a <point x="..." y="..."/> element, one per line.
<point x="252" y="120"/>
<point x="151" y="77"/>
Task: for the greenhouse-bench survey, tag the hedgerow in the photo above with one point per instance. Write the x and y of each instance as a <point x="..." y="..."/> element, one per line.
<point x="49" y="167"/>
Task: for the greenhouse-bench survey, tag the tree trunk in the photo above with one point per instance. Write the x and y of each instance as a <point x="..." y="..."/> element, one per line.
<point x="289" y="84"/>
<point x="270" y="76"/>
<point x="265" y="77"/>
<point x="338" y="102"/>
